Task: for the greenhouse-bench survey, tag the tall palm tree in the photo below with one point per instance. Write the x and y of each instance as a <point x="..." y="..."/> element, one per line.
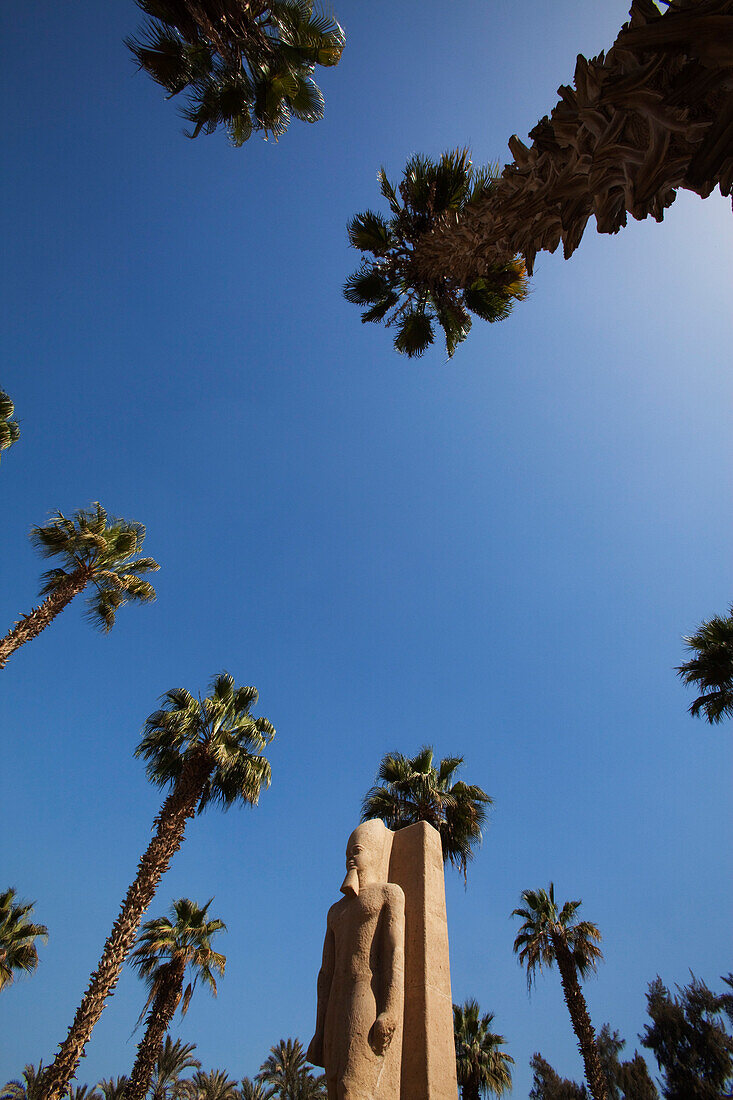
<point x="174" y="1058"/>
<point x="285" y="1072"/>
<point x="9" y="430"/>
<point x="245" y="65"/>
<point x="209" y="751"/>
<point x="431" y="193"/>
<point x="481" y="1067"/>
<point x="166" y="950"/>
<point x="214" y="1085"/>
<point x="29" y="1088"/>
<point x="711" y="669"/>
<point x="18" y="937"/>
<point x="548" y="935"/>
<point x="416" y="789"/>
<point x="98" y="551"/>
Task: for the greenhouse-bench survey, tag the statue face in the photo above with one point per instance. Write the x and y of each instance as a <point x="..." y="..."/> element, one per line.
<point x="364" y="856"/>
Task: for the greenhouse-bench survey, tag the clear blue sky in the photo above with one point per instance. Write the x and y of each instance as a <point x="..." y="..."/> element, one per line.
<point x="498" y="555"/>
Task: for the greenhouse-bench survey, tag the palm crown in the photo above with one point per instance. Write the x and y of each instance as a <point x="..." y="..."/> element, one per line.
<point x="245" y="64"/>
<point x="173" y="1059"/>
<point x="186" y="941"/>
<point x="285" y="1072"/>
<point x="390" y="285"/>
<point x="544" y="925"/>
<point x="9" y="430"/>
<point x="214" y="1085"/>
<point x="711" y="669"/>
<point x="416" y="789"/>
<point x="220" y="731"/>
<point x="481" y="1067"/>
<point x="18" y="937"/>
<point x="101" y="549"/>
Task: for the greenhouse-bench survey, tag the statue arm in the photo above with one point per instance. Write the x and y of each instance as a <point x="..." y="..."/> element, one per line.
<point x="389" y="1006"/>
<point x="325" y="978"/>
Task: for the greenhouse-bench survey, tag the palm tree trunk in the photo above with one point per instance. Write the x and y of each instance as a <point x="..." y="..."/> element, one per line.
<point x="158" y="1021"/>
<point x="470" y="1091"/>
<point x="170" y="827"/>
<point x="578" y="1010"/>
<point x="30" y="625"/>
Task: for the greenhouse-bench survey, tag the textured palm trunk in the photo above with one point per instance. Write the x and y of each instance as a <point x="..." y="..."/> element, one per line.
<point x="170" y="828"/>
<point x="578" y="1010"/>
<point x="31" y="625"/>
<point x="159" y="1018"/>
<point x="470" y="1091"/>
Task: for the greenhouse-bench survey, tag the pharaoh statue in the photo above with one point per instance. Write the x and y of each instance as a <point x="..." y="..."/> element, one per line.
<point x="384" y="1023"/>
<point x="358" y="1038"/>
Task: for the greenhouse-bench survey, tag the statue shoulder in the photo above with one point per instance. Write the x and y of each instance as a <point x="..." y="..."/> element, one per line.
<point x="394" y="895"/>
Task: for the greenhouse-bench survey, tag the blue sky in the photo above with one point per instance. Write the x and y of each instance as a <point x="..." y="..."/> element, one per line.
<point x="497" y="555"/>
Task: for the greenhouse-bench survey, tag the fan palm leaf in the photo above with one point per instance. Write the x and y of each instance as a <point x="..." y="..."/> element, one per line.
<point x="430" y="193"/>
<point x="411" y="789"/>
<point x="99" y="553"/>
<point x="711" y="669"/>
<point x="482" y="1067"/>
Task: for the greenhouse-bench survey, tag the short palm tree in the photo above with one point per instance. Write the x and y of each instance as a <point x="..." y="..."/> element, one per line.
<point x="548" y="935"/>
<point x="83" y="1092"/>
<point x="9" y="430"/>
<point x="416" y="789"/>
<point x="18" y="937"/>
<point x="210" y="752"/>
<point x="481" y="1067"/>
<point x="711" y="669"/>
<point x="29" y="1088"/>
<point x="166" y="950"/>
<point x="389" y="284"/>
<point x="214" y="1085"/>
<point x="254" y="1090"/>
<point x="113" y="1088"/>
<point x="245" y="65"/>
<point x="285" y="1072"/>
<point x="173" y="1060"/>
<point x="98" y="552"/>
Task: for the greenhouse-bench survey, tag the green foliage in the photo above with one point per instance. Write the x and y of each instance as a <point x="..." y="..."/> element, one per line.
<point x="481" y="1067"/>
<point x="113" y="1088"/>
<point x="254" y="1090"/>
<point x="285" y="1073"/>
<point x="221" y="729"/>
<point x="27" y="1088"/>
<point x="214" y="1085"/>
<point x="186" y="940"/>
<point x="18" y="937"/>
<point x="541" y="921"/>
<point x="245" y="67"/>
<point x="390" y="283"/>
<point x="104" y="548"/>
<point x="689" y="1039"/>
<point x="416" y="789"/>
<point x="9" y="430"/>
<point x="174" y="1059"/>
<point x="548" y="1085"/>
<point x="711" y="669"/>
<point x="623" y="1080"/>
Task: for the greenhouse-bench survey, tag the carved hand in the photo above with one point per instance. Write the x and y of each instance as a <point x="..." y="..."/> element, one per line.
<point x="382" y="1030"/>
<point x="314" y="1053"/>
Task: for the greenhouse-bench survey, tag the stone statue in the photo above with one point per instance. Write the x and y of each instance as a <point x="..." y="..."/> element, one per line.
<point x="358" y="1038"/>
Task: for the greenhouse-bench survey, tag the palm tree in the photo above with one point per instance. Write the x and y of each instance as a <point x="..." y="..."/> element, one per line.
<point x="113" y="1088"/>
<point x="550" y="935"/>
<point x="481" y="1067"/>
<point x="17" y="937"/>
<point x="166" y="949"/>
<point x="285" y="1072"/>
<point x="83" y="1092"/>
<point x="254" y="1090"/>
<point x="711" y="669"/>
<point x="174" y="1058"/>
<point x="214" y="1085"/>
<point x="415" y="789"/>
<point x="97" y="550"/>
<point x="209" y="751"/>
<point x="27" y="1089"/>
<point x="9" y="430"/>
<point x="431" y="193"/>
<point x="245" y="65"/>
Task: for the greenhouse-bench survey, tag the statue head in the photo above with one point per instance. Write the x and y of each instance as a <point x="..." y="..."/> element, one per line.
<point x="365" y="856"/>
